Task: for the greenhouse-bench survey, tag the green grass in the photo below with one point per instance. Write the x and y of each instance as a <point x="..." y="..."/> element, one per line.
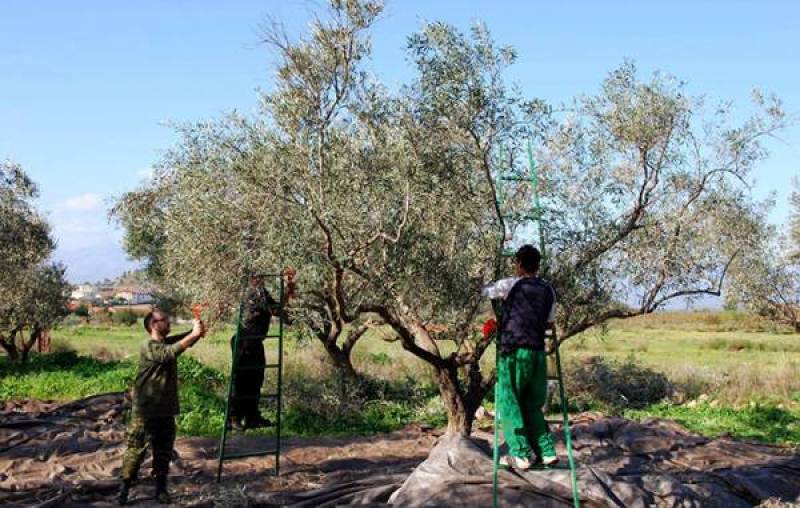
<point x="728" y="359"/>
<point x="318" y="405"/>
<point x="66" y="376"/>
<point x="759" y="422"/>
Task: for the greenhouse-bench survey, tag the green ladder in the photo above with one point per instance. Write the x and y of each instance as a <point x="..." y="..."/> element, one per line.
<point x="276" y="397"/>
<point x="533" y="216"/>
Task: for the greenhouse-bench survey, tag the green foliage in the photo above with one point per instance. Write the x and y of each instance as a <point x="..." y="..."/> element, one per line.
<point x="312" y="406"/>
<point x="63" y="376"/>
<point x="763" y="422"/>
<point x="614" y="386"/>
<point x="81" y="310"/>
<point x="34" y="292"/>
<point x="124" y="317"/>
<point x="340" y="405"/>
<point x="201" y="397"/>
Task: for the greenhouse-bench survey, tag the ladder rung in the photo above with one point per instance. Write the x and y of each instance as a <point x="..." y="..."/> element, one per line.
<point x="520" y="216"/>
<point x="258" y="337"/>
<point x="243" y="455"/>
<point x="257" y="367"/>
<point x="254" y="397"/>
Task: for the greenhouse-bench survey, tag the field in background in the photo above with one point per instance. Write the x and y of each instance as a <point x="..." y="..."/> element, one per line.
<point x="732" y="373"/>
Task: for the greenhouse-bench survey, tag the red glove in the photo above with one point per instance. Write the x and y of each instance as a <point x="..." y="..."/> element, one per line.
<point x="489" y="328"/>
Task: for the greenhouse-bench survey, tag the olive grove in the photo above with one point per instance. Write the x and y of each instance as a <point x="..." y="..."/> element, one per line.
<point x="385" y="199"/>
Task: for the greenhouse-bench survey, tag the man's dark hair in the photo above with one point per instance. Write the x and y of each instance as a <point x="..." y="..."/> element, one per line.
<point x="148" y="319"/>
<point x="529" y="258"/>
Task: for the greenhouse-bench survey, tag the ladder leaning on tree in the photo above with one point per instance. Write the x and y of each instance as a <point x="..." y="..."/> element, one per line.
<point x="273" y="399"/>
<point x="532" y="216"/>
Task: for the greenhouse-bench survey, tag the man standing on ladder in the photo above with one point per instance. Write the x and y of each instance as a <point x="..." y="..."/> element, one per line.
<point x="528" y="310"/>
<point x="257" y="311"/>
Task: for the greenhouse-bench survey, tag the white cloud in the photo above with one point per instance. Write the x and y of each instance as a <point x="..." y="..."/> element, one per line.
<point x="84" y="202"/>
<point x="145" y="174"/>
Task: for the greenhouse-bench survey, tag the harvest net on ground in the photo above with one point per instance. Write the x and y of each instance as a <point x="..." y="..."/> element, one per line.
<point x="69" y="455"/>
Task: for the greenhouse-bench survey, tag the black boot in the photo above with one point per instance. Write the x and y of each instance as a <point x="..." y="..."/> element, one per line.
<point x="161" y="490"/>
<point x="124" y="490"/>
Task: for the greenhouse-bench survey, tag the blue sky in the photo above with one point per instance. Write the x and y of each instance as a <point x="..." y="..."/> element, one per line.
<point x="86" y="87"/>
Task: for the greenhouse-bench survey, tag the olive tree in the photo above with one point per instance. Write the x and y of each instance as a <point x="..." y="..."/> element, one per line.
<point x="646" y="196"/>
<point x="765" y="279"/>
<point x="386" y="200"/>
<point x="34" y="292"/>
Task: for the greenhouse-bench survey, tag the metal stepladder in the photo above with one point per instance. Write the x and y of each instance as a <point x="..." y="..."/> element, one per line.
<point x="552" y="348"/>
<point x="274" y="397"/>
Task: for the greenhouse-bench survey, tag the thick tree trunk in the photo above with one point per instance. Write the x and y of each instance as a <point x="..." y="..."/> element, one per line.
<point x="341" y="359"/>
<point x="459" y="416"/>
<point x="34" y="336"/>
<point x="11" y="350"/>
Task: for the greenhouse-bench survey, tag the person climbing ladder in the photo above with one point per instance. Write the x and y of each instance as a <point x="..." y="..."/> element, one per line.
<point x="528" y="309"/>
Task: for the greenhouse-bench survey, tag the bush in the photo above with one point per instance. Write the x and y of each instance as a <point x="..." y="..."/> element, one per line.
<point x="335" y="404"/>
<point x="81" y="311"/>
<point x="615" y="386"/>
<point x="124" y="317"/>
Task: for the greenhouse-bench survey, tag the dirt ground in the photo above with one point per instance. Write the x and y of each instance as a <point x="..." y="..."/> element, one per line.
<point x="70" y="455"/>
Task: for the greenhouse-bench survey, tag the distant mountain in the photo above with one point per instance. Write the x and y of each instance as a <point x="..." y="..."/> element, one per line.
<point x="103" y="261"/>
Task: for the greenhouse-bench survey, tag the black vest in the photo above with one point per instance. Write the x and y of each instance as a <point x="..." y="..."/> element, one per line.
<point x="524" y="316"/>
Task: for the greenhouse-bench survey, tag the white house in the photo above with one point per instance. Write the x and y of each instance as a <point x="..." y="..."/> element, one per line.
<point x="134" y="296"/>
<point x="85" y="292"/>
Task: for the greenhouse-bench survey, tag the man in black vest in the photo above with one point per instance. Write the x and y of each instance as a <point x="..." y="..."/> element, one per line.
<point x="257" y="313"/>
<point x="528" y="309"/>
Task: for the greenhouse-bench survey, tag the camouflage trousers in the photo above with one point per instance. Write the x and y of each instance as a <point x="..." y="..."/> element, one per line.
<point x="160" y="433"/>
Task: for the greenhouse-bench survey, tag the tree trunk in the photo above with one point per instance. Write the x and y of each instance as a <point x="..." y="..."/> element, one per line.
<point x="36" y="332"/>
<point x="459" y="417"/>
<point x="11" y="349"/>
<point x="341" y="359"/>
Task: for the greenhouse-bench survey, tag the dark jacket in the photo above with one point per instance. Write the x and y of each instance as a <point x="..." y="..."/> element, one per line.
<point x="525" y="313"/>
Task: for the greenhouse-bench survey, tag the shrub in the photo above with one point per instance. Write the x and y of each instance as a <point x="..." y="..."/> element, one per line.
<point x="81" y="311"/>
<point x="59" y="345"/>
<point x="124" y="317"/>
<point x="615" y="386"/>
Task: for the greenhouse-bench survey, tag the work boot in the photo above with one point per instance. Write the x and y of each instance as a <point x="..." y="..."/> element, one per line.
<point x="256" y="421"/>
<point x="124" y="490"/>
<point x="162" y="496"/>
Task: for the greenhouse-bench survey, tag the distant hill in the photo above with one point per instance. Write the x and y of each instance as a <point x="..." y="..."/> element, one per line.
<point x="94" y="263"/>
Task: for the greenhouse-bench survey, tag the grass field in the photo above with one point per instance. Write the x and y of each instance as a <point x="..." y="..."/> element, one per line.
<point x="730" y="374"/>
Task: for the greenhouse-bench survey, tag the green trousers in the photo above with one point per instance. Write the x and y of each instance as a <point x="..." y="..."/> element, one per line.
<point x="160" y="433"/>
<point x="522" y="391"/>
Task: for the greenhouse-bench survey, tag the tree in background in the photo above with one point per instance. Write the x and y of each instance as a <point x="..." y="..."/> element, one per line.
<point x="34" y="292"/>
<point x="386" y="200"/>
<point x="766" y="279"/>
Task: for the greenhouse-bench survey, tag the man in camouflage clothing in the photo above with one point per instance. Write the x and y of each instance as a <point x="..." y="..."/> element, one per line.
<point x="256" y="317"/>
<point x="155" y="402"/>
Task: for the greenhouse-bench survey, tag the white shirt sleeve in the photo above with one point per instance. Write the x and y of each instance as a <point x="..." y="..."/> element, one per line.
<point x="551" y="318"/>
<point x="499" y="289"/>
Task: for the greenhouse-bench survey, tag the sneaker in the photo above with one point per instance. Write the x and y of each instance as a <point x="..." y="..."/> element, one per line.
<point x="518" y="463"/>
<point x="256" y="422"/>
<point x="162" y="496"/>
<point x="550" y="460"/>
<point x="122" y="496"/>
